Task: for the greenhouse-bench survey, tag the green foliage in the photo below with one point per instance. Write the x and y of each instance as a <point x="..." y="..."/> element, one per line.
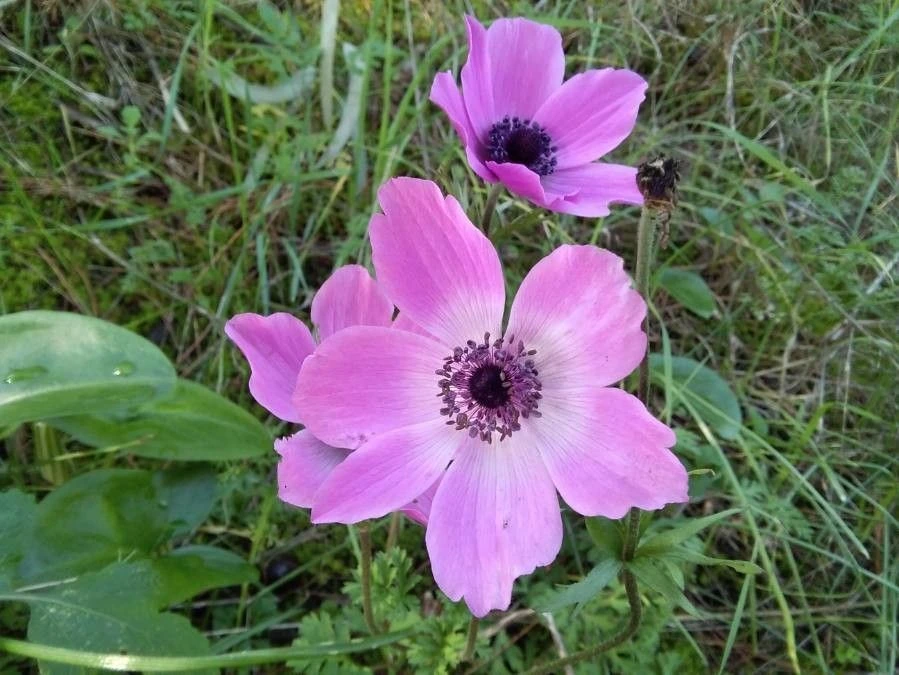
<point x="109" y="611"/>
<point x="93" y="520"/>
<point x="17" y="515"/>
<point x="703" y="389"/>
<point x="60" y="364"/>
<point x="688" y="289"/>
<point x="318" y="628"/>
<point x="586" y="589"/>
<point x="193" y="423"/>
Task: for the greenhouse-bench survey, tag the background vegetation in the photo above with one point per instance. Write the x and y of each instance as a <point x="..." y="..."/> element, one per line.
<point x="168" y="164"/>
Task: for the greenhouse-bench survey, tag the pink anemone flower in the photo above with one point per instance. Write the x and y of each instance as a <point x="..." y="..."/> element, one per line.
<point x="276" y="347"/>
<point x="506" y="418"/>
<point x="522" y="126"/>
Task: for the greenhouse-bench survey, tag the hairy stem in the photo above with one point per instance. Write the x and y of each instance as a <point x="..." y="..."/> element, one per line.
<point x="490" y="207"/>
<point x="365" y="559"/>
<point x="471" y="640"/>
<point x="393" y="532"/>
<point x="645" y="240"/>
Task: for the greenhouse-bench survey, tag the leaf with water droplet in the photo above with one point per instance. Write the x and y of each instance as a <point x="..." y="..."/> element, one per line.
<point x="18" y="375"/>
<point x="124" y="369"/>
<point x="58" y="363"/>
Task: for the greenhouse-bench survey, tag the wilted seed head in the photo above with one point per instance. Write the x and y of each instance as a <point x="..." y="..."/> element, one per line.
<point x="657" y="181"/>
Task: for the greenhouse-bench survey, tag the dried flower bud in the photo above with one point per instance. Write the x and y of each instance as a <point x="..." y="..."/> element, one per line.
<point x="657" y="180"/>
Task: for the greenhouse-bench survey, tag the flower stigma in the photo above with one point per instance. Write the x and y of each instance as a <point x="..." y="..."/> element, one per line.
<point x="488" y="388"/>
<point x="522" y="141"/>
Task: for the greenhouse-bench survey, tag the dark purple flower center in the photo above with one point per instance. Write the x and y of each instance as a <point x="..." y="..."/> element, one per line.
<point x="519" y="141"/>
<point x="488" y="388"/>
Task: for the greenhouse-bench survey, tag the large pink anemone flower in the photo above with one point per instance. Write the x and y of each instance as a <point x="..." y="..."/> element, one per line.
<point x="276" y="347"/>
<point x="506" y="417"/>
<point x="522" y="126"/>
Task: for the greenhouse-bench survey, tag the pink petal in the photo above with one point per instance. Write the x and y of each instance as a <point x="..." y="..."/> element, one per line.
<point x="437" y="267"/>
<point x="577" y="309"/>
<point x="350" y="297"/>
<point x="495" y="517"/>
<point x="520" y="180"/>
<point x="590" y="188"/>
<point x="527" y="65"/>
<point x="446" y="94"/>
<point x="305" y="464"/>
<point x="606" y="453"/>
<point x="403" y="322"/>
<point x="477" y="82"/>
<point x="386" y="473"/>
<point x="591" y="114"/>
<point x="275" y="346"/>
<point x="419" y="509"/>
<point x="366" y="380"/>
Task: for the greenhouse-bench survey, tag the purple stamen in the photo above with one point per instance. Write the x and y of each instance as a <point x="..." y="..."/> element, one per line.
<point x="489" y="387"/>
<point x="522" y="142"/>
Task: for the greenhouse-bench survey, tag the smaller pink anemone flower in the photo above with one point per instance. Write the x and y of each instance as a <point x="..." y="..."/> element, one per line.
<point x="522" y="126"/>
<point x="506" y="419"/>
<point x="276" y="347"/>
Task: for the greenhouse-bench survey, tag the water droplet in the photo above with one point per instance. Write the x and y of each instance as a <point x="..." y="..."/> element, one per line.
<point x="22" y="374"/>
<point x="124" y="369"/>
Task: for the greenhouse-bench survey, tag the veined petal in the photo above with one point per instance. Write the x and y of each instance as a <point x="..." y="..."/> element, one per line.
<point x="305" y="464"/>
<point x="477" y="81"/>
<point x="520" y="180"/>
<point x="607" y="454"/>
<point x="591" y="114"/>
<point x="403" y="322"/>
<point x="419" y="509"/>
<point x="275" y="346"/>
<point x="577" y="309"/>
<point x="386" y="473"/>
<point x="366" y="380"/>
<point x="349" y="297"/>
<point x="437" y="267"/>
<point x="495" y="517"/>
<point x="527" y="65"/>
<point x="446" y="94"/>
<point x="592" y="187"/>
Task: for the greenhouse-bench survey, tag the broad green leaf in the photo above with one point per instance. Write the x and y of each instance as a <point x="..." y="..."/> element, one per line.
<point x="56" y="363"/>
<point x="704" y="389"/>
<point x="191" y="570"/>
<point x="91" y="521"/>
<point x="655" y="574"/>
<point x="584" y="590"/>
<point x="606" y="534"/>
<point x="17" y="513"/>
<point x="658" y="544"/>
<point x="109" y="611"/>
<point x="689" y="289"/>
<point x="741" y="566"/>
<point x="193" y="423"/>
<point x="188" y="493"/>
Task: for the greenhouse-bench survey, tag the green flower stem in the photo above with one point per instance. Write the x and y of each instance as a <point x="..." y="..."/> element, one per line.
<point x="175" y="664"/>
<point x="365" y="560"/>
<point x="471" y="640"/>
<point x="393" y="532"/>
<point x="646" y="232"/>
<point x="490" y="207"/>
<point x="645" y="241"/>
